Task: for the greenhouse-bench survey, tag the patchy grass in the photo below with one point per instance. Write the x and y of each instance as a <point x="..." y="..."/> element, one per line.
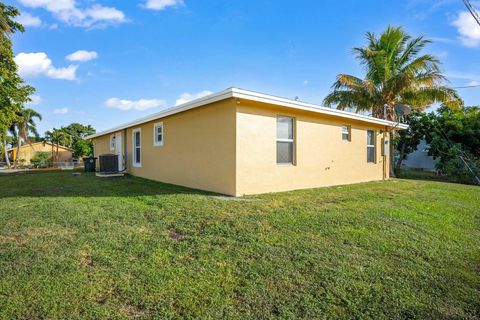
<point x="83" y="247"/>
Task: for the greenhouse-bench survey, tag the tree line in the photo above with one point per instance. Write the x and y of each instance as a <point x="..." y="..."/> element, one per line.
<point x="14" y="92"/>
<point x="452" y="135"/>
<point x="71" y="136"/>
<point x="17" y="122"/>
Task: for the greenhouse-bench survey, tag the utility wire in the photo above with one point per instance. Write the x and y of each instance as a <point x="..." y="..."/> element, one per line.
<point x="462" y="154"/>
<point x="472" y="11"/>
<point x="466" y="87"/>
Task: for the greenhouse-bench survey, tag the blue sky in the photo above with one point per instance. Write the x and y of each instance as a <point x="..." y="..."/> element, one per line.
<point x="136" y="57"/>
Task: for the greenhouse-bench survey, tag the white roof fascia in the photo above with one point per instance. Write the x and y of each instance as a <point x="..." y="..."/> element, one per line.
<point x="253" y="96"/>
<point x="222" y="95"/>
<point x="260" y="97"/>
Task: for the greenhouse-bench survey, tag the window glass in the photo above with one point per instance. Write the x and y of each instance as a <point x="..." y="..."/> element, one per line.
<point x="158" y="134"/>
<point x="370" y="138"/>
<point x="346" y="133"/>
<point x="137" y="154"/>
<point x="284" y="128"/>
<point x="370" y="146"/>
<point x="285" y="140"/>
<point x="284" y="152"/>
<point x="137" y="139"/>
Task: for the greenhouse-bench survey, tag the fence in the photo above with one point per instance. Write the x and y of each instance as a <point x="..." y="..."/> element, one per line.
<point x="46" y="165"/>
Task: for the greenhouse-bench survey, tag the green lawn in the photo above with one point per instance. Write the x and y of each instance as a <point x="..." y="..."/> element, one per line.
<point x="85" y="247"/>
<point x="421" y="175"/>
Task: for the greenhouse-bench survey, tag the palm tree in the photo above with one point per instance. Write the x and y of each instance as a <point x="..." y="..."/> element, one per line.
<point x="395" y="73"/>
<point x="23" y="125"/>
<point x="50" y="137"/>
<point x="58" y="137"/>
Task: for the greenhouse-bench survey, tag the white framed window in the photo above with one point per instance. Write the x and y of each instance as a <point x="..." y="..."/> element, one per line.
<point x="346" y="133"/>
<point x="285" y="140"/>
<point x="158" y="134"/>
<point x="112" y="142"/>
<point x="371" y="149"/>
<point x="137" y="148"/>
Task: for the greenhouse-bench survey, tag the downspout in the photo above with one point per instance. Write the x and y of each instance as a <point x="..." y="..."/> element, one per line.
<point x="385" y="154"/>
<point x="125" y="150"/>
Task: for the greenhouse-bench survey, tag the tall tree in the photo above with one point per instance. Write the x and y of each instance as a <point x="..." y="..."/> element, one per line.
<point x="23" y="125"/>
<point x="14" y="93"/>
<point x="57" y="138"/>
<point x="79" y="131"/>
<point x="455" y="139"/>
<point x="395" y="73"/>
<point x="8" y="25"/>
<point x="49" y="137"/>
<point x="407" y="141"/>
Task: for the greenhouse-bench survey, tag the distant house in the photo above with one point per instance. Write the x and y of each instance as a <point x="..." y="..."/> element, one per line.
<point x="28" y="151"/>
<point x="419" y="159"/>
<point x="240" y="142"/>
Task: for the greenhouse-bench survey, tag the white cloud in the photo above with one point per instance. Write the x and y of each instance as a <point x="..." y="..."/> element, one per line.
<point x="305" y="82"/>
<point x="463" y="75"/>
<point x="163" y="4"/>
<point x="187" y="97"/>
<point x="441" y="53"/>
<point x="138" y="105"/>
<point x="27" y="20"/>
<point x="468" y="29"/>
<point x="68" y="12"/>
<point x="38" y="64"/>
<point x="82" y="56"/>
<point x="470" y="79"/>
<point x="107" y="14"/>
<point x="36" y="100"/>
<point x="60" y="111"/>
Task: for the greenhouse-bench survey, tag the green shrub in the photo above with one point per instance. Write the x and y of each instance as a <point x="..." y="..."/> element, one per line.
<point x="456" y="170"/>
<point x="41" y="159"/>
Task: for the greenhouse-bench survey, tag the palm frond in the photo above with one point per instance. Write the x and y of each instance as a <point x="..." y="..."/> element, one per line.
<point x="395" y="73"/>
<point x="425" y="97"/>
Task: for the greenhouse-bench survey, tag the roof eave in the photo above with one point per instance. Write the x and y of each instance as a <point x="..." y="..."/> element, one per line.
<point x="225" y="94"/>
<point x="260" y="97"/>
<point x="254" y="96"/>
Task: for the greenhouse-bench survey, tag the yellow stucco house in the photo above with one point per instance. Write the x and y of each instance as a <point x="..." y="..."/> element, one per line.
<point x="239" y="142"/>
<point x="28" y="151"/>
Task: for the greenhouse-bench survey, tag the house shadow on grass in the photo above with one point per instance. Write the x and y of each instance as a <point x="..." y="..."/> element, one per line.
<point x="65" y="184"/>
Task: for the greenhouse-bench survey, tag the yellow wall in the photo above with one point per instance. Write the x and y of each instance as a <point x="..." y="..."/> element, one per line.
<point x="230" y="147"/>
<point x="198" y="149"/>
<point x="27" y="152"/>
<point x="101" y="145"/>
<point x="322" y="157"/>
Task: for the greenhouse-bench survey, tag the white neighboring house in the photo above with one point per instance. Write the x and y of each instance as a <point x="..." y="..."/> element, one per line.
<point x="419" y="159"/>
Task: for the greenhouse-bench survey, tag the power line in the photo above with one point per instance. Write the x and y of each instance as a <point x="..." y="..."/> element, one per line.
<point x="462" y="156"/>
<point x="466" y="87"/>
<point x="472" y="11"/>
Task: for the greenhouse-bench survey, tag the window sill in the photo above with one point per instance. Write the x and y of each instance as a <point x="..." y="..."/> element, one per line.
<point x="158" y="144"/>
<point x="286" y="165"/>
